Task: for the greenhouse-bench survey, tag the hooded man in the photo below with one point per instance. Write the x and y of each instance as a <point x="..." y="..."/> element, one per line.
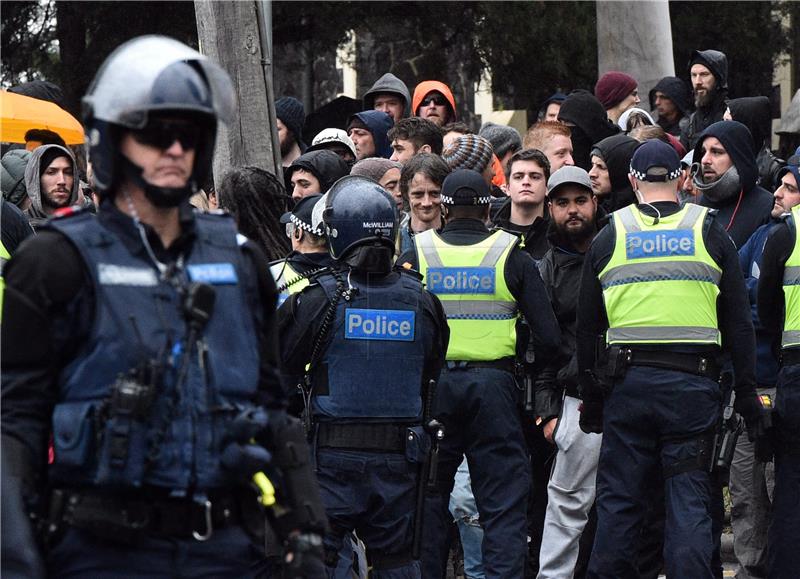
<point x="291" y="116"/>
<point x="315" y="172"/>
<point x="725" y="175"/>
<point x="13" y="177"/>
<point x="588" y="122"/>
<point x="708" y="70"/>
<point x="433" y="100"/>
<point x="611" y="161"/>
<point x="369" y="132"/>
<point x="390" y="95"/>
<point x="549" y="109"/>
<point x="51" y="179"/>
<point x="671" y="99"/>
<point x="755" y="113"/>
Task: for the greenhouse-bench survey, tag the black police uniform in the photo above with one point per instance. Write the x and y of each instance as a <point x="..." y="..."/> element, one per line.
<point x="736" y="325"/>
<point x="50" y="317"/>
<point x="482" y="420"/>
<point x="783" y="557"/>
<point x="370" y="342"/>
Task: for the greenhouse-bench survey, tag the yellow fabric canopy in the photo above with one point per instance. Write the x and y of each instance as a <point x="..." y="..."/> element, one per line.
<point x="19" y="114"/>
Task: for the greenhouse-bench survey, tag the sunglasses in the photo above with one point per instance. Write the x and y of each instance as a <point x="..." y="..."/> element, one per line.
<point x="163" y="135"/>
<point x="438" y="100"/>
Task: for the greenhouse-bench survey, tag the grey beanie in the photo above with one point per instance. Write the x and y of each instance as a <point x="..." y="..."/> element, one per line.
<point x="502" y="138"/>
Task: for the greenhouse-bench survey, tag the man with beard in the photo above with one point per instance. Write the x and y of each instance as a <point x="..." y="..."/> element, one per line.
<point x="291" y="116"/>
<point x="588" y="122"/>
<point x="662" y="284"/>
<point x="777" y="309"/>
<point x="725" y="175"/>
<point x="51" y="182"/>
<point x="709" y="75"/>
<point x="434" y="101"/>
<point x="670" y="98"/>
<point x="523" y="213"/>
<point x="751" y="480"/>
<point x="571" y="489"/>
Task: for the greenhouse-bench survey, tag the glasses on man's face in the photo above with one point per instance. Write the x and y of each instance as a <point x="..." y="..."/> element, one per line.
<point x="289" y="229"/>
<point x="162" y="135"/>
<point x="438" y="100"/>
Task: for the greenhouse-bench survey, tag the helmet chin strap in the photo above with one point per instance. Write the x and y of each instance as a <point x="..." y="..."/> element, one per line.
<point x="163" y="197"/>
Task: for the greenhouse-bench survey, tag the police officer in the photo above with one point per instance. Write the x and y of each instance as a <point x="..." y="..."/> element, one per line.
<point x="142" y="341"/>
<point x="483" y="279"/>
<point x="779" y="309"/>
<point x="309" y="248"/>
<point x="664" y="285"/>
<point x="371" y="339"/>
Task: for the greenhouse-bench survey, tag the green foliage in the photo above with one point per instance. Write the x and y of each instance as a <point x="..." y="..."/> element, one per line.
<point x="536" y="48"/>
<point x="27" y="33"/>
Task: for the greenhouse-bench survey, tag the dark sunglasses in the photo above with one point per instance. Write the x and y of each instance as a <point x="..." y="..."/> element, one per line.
<point x="438" y="100"/>
<point x="163" y="135"/>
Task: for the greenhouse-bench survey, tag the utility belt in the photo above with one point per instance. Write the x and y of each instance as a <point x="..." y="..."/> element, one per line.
<point x="790" y="357"/>
<point x="505" y="364"/>
<point x="621" y="358"/>
<point x="131" y="518"/>
<point x="363" y="436"/>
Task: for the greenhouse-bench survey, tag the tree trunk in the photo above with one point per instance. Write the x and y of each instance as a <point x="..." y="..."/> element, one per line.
<point x="635" y="38"/>
<point x="228" y="33"/>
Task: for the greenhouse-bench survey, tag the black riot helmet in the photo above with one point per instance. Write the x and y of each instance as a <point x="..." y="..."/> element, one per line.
<point x="361" y="223"/>
<point x="144" y="80"/>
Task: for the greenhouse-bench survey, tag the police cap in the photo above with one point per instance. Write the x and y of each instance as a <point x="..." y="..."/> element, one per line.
<point x="465" y="187"/>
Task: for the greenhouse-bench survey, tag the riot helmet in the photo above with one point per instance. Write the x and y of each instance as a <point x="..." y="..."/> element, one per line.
<point x="143" y="81"/>
<point x="360" y="220"/>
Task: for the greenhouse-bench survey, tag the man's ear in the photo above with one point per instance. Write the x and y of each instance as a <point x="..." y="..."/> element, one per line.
<point x="425" y="149"/>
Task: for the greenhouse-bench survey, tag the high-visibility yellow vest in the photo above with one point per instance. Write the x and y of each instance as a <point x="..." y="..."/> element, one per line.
<point x="791" y="289"/>
<point x="4" y="257"/>
<point x="283" y="273"/>
<point x="470" y="282"/>
<point x="661" y="285"/>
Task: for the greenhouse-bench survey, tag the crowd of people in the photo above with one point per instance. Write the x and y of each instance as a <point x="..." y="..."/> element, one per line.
<point x="541" y="354"/>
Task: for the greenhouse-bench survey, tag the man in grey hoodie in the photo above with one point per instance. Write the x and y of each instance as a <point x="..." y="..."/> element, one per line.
<point x="390" y="95"/>
<point x="52" y="182"/>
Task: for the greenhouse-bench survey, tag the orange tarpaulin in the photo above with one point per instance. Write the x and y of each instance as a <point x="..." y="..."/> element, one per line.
<point x="19" y="114"/>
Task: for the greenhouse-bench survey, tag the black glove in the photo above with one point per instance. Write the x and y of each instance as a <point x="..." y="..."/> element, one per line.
<point x="591" y="409"/>
<point x="304" y="558"/>
<point x="746" y="404"/>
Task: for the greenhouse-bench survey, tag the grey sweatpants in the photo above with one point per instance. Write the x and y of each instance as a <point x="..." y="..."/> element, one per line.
<point x="570" y="493"/>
